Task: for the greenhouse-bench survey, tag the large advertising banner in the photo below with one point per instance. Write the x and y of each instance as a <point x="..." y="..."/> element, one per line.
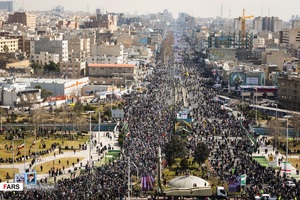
<point x="20" y="178"/>
<point x="286" y="167"/>
<point x="237" y="79"/>
<point x="31" y="178"/>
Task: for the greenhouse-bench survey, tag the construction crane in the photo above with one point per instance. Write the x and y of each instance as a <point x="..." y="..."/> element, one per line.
<point x="243" y="19"/>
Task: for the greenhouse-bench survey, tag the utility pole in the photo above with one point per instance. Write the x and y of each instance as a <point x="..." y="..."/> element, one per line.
<point x="129" y="178"/>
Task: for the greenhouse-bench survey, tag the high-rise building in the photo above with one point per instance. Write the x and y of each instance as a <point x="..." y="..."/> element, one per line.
<point x="296" y="24"/>
<point x="237" y="24"/>
<point x="98" y="11"/>
<point x="273" y="24"/>
<point x="7" y="5"/>
<point x="53" y="46"/>
<point x="108" y="21"/>
<point x="258" y="24"/>
<point x="22" y="18"/>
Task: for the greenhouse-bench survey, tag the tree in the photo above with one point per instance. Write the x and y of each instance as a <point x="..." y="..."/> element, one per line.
<point x="175" y="148"/>
<point x="201" y="153"/>
<point x="5" y="49"/>
<point x="44" y="93"/>
<point x="36" y="67"/>
<point x="184" y="163"/>
<point x="296" y="124"/>
<point x="52" y="67"/>
<point x="275" y="131"/>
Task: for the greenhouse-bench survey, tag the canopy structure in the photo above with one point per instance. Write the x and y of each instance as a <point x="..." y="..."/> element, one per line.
<point x="183" y="124"/>
<point x="188" y="182"/>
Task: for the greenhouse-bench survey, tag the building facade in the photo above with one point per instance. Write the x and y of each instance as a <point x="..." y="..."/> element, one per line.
<point x="53" y="46"/>
<point x="106" y="59"/>
<point x="74" y="68"/>
<point x="291" y="39"/>
<point x="258" y="24"/>
<point x="289" y="91"/>
<point x="22" y="18"/>
<point x="7" y="5"/>
<point x="79" y="48"/>
<point x="44" y="58"/>
<point x="8" y="45"/>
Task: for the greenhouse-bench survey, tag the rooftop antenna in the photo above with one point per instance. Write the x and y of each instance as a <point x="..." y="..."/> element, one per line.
<point x="268" y="12"/>
<point x="221" y="11"/>
<point x="229" y="16"/>
<point x="262" y="8"/>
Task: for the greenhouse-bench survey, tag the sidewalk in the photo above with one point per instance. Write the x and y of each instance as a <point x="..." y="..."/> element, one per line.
<point x="69" y="154"/>
<point x="272" y="151"/>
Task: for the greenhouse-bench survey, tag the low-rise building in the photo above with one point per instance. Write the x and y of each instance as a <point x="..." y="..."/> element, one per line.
<point x="111" y="73"/>
<point x="73" y="68"/>
<point x="8" y="45"/>
<point x="289" y="91"/>
<point x="44" y="58"/>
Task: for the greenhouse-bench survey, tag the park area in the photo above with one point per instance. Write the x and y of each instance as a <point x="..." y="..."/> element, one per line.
<point x="46" y="144"/>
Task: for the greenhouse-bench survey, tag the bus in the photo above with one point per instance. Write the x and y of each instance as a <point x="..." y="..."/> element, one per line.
<point x="271" y="111"/>
<point x="223" y="100"/>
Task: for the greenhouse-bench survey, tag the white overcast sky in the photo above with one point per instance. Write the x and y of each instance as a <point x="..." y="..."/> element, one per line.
<point x="283" y="9"/>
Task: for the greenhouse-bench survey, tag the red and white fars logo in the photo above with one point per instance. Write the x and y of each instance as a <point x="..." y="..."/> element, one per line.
<point x="11" y="186"/>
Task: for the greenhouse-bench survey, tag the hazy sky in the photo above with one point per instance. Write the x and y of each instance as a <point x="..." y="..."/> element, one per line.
<point x="197" y="8"/>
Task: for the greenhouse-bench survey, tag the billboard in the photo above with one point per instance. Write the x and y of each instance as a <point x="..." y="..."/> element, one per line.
<point x="30" y="178"/>
<point x="252" y="81"/>
<point x="237" y="79"/>
<point x="20" y="178"/>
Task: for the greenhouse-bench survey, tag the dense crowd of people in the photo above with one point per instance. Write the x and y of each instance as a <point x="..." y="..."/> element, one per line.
<point x="231" y="148"/>
<point x="150" y="118"/>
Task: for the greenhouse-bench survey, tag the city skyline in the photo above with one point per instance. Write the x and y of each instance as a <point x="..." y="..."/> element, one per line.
<point x="231" y="8"/>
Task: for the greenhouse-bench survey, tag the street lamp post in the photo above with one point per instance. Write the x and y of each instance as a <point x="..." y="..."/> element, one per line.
<point x="287" y="138"/>
<point x="276" y="110"/>
<point x="256" y="107"/>
<point x="13" y="154"/>
<point x="128" y="178"/>
<point x="129" y="175"/>
<point x="90" y="150"/>
<point x="99" y="123"/>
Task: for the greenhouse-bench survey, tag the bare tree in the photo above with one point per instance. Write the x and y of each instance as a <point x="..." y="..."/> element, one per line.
<point x="296" y="124"/>
<point x="167" y="46"/>
<point x="38" y="117"/>
<point x="275" y="131"/>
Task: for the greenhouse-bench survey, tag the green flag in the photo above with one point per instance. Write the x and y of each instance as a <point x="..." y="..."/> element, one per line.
<point x="243" y="179"/>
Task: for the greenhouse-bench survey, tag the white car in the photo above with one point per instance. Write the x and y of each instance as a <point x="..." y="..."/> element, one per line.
<point x="290" y="184"/>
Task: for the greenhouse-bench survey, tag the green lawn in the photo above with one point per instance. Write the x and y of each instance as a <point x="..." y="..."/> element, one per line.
<point x="56" y="164"/>
<point x="29" y="138"/>
<point x="262" y="160"/>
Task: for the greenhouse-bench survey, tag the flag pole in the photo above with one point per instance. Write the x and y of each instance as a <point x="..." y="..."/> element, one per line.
<point x="13" y="154"/>
<point x="24" y="155"/>
<point x="35" y="157"/>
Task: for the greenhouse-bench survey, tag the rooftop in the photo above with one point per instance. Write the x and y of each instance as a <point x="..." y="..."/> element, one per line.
<point x="112" y="65"/>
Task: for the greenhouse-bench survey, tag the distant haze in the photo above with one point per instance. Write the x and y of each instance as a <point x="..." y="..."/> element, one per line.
<point x="198" y="8"/>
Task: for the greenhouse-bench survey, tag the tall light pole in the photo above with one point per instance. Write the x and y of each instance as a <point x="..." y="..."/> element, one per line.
<point x="111" y="99"/>
<point x="90" y="150"/>
<point x="99" y="129"/>
<point x="287" y="138"/>
<point x="129" y="178"/>
<point x="13" y="154"/>
<point x="255" y="106"/>
<point x="276" y="110"/>
<point x="137" y="173"/>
